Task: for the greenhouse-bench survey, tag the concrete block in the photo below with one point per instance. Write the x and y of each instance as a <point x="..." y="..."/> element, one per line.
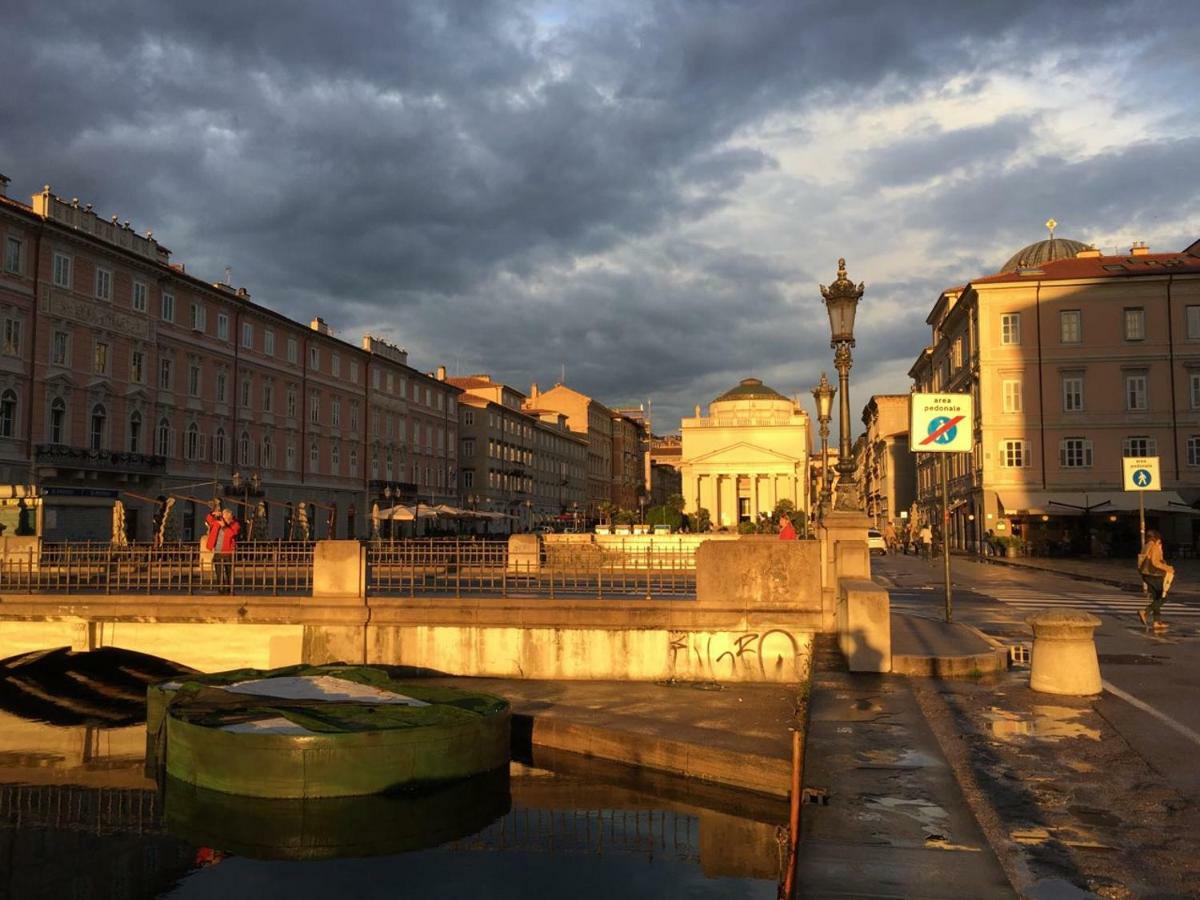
<point x="339" y="569"/>
<point x="1064" y="653"/>
<point x="524" y="554"/>
<point x="864" y="625"/>
<point x="759" y="574"/>
<point x="851" y="559"/>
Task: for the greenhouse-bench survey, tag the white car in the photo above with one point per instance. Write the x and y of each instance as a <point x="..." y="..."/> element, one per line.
<point x="875" y="542"/>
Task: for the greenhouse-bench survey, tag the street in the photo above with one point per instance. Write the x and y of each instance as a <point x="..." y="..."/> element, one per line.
<point x="1150" y="679"/>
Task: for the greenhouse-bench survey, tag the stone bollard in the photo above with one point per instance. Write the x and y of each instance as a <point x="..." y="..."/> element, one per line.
<point x="1064" y="653"/>
<point x="524" y="554"/>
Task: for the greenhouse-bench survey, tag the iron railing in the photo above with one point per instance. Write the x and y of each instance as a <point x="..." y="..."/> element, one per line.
<point x="453" y="567"/>
<point x="258" y="567"/>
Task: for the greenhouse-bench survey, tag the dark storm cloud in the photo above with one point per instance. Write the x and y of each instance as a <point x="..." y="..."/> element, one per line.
<point x="506" y="184"/>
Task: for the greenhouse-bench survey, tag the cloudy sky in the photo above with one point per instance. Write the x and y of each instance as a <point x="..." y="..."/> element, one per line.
<point x="646" y="194"/>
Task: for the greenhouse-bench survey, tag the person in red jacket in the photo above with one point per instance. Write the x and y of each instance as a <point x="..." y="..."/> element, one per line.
<point x="787" y="532"/>
<point x="223" y="531"/>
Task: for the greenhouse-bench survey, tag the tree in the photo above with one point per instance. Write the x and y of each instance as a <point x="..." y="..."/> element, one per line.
<point x="703" y="520"/>
<point x="676" y="502"/>
<point x="606" y="510"/>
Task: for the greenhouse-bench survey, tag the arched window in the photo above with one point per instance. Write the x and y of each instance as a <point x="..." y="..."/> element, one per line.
<point x="162" y="438"/>
<point x="375" y="465"/>
<point x="219" y="446"/>
<point x="244" y="449"/>
<point x="192" y="442"/>
<point x="8" y="413"/>
<point x="135" y="432"/>
<point x="353" y="462"/>
<point x="268" y="452"/>
<point x="96" y="436"/>
<point x="58" y="421"/>
<point x="388" y="468"/>
<point x="314" y="457"/>
<point x="335" y="458"/>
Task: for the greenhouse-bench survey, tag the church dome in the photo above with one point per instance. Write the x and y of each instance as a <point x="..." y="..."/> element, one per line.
<point x="750" y="389"/>
<point x="1041" y="252"/>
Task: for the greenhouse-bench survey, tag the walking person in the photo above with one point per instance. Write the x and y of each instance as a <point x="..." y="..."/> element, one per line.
<point x="889" y="537"/>
<point x="926" y="535"/>
<point x="223" y="531"/>
<point x="787" y="531"/>
<point x="1156" y="576"/>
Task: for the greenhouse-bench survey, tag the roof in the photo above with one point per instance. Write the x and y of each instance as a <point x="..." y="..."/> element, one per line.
<point x="1102" y="267"/>
<point x="750" y="389"/>
<point x="1044" y="251"/>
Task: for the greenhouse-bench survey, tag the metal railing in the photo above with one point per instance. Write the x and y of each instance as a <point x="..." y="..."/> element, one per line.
<point x="453" y="567"/>
<point x="259" y="567"/>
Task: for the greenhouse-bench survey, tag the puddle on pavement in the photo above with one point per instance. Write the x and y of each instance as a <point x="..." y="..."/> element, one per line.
<point x="1047" y="723"/>
<point x="932" y="819"/>
<point x="889" y="758"/>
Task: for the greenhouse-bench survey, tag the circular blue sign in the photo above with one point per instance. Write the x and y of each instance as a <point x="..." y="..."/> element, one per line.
<point x="946" y="436"/>
<point x="1142" y="477"/>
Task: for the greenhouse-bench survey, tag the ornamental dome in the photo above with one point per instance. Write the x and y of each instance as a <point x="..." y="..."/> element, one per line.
<point x="750" y="389"/>
<point x="1041" y="252"/>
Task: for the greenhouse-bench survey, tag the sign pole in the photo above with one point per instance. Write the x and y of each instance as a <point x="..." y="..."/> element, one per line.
<point x="946" y="530"/>
<point x="1142" y="532"/>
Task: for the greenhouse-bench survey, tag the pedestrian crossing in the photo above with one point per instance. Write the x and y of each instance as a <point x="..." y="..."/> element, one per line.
<point x="1102" y="604"/>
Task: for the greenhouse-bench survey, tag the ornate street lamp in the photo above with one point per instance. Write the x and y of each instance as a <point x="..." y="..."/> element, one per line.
<point x="823" y="395"/>
<point x="841" y="302"/>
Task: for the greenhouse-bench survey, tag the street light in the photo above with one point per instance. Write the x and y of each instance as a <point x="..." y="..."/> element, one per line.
<point x="841" y="302"/>
<point x="246" y="488"/>
<point x="823" y="395"/>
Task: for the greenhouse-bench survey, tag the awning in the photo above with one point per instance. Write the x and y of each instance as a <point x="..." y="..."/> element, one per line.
<point x="1078" y="503"/>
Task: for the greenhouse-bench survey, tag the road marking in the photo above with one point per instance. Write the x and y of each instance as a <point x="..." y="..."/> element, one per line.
<point x="1192" y="736"/>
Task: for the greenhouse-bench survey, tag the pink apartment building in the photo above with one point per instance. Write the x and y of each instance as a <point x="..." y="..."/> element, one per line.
<point x="122" y="377"/>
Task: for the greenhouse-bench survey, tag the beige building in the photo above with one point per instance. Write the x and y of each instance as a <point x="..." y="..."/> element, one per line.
<point x="592" y="420"/>
<point x="1074" y="360"/>
<point x="748" y="453"/>
<point x="887" y="470"/>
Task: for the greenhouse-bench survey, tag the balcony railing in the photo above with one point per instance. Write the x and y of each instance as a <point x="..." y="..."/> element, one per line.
<point x="64" y="457"/>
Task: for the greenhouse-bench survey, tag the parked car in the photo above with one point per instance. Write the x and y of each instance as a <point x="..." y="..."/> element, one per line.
<point x="875" y="542"/>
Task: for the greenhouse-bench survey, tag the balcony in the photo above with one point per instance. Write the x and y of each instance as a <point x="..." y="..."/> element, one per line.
<point x="61" y="456"/>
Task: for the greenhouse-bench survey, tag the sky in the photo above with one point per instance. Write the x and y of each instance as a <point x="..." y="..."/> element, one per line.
<point x="645" y="196"/>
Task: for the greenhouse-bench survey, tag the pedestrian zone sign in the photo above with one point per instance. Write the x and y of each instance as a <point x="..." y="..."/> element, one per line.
<point x="940" y="423"/>
<point x="1141" y="473"/>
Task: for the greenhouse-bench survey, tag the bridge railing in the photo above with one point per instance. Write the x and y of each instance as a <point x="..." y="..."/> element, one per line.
<point x="452" y="567"/>
<point x="260" y="567"/>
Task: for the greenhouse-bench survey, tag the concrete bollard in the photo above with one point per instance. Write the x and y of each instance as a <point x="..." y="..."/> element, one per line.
<point x="1064" y="653"/>
<point x="524" y="554"/>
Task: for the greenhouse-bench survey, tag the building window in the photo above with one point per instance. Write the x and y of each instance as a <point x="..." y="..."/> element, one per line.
<point x="1075" y="453"/>
<point x="269" y="342"/>
<point x="375" y="378"/>
<point x="199" y="317"/>
<point x="354" y="415"/>
<point x="164" y="374"/>
<point x="58" y="420"/>
<point x="1139" y="445"/>
<point x="246" y="387"/>
<point x="167" y="308"/>
<point x="468" y="478"/>
<point x="391" y="383"/>
<point x="244" y="449"/>
<point x="12" y="255"/>
<point x="191" y="444"/>
<point x="1070" y="326"/>
<point x="12" y="337"/>
<point x="1015" y="454"/>
<point x="335" y="366"/>
<point x="162" y="438"/>
<point x="314" y="358"/>
<point x="267" y="457"/>
<point x="1135" y="323"/>
<point x="335" y="412"/>
<point x="291" y="402"/>
<point x="221" y="386"/>
<point x="468" y="446"/>
<point x="314" y="408"/>
<point x="222" y="326"/>
<point x="1072" y="391"/>
<point x="1193" y="451"/>
<point x="1194" y="381"/>
<point x="96" y="435"/>
<point x="1193" y="323"/>
<point x="1012" y="396"/>
<point x="100" y="359"/>
<point x="291" y="458"/>
<point x="62" y="271"/>
<point x="103" y="284"/>
<point x="314" y="458"/>
<point x="1135" y="392"/>
<point x="248" y="335"/>
<point x="268" y="396"/>
<point x="137" y="367"/>
<point x="353" y="462"/>
<point x="1010" y="328"/>
<point x="291" y="350"/>
<point x="335" y="458"/>
<point x="219" y="446"/>
<point x="194" y="380"/>
<point x="138" y="301"/>
<point x="135" y="432"/>
<point x="58" y="349"/>
<point x="353" y="372"/>
<point x="468" y="417"/>
<point x="8" y="413"/>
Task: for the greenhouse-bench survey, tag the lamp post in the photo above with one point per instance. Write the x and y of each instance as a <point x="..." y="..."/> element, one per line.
<point x="823" y="395"/>
<point x="841" y="301"/>
<point x="246" y="488"/>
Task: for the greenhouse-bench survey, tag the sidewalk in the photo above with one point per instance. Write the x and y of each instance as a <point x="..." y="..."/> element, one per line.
<point x="1120" y="573"/>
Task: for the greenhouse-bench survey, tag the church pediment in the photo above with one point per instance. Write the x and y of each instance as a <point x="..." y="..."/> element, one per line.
<point x="742" y="453"/>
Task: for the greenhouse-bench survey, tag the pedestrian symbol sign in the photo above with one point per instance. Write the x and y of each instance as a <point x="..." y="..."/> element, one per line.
<point x="1141" y="473"/>
<point x="940" y="423"/>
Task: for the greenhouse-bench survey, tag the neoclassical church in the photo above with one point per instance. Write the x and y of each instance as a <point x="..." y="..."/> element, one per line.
<point x="749" y="452"/>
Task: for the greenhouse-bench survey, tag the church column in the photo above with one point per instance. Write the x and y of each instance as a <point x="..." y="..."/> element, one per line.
<point x="729" y="506"/>
<point x="754" y="485"/>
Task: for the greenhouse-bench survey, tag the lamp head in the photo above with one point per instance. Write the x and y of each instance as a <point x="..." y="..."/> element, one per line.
<point x="841" y="301"/>
<point x="823" y="395"/>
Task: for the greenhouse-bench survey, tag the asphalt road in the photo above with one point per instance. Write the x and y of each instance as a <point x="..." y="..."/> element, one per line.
<point x="1152" y="681"/>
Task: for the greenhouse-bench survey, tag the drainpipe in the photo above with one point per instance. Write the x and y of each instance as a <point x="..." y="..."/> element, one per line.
<point x="1037" y="302"/>
<point x="37" y="287"/>
<point x="1171" y="370"/>
<point x="234" y="437"/>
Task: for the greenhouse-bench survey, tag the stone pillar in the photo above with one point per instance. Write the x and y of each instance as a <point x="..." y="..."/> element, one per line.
<point x="729" y="505"/>
<point x="754" y="482"/>
<point x="339" y="571"/>
<point x="524" y="554"/>
<point x="1064" y="653"/>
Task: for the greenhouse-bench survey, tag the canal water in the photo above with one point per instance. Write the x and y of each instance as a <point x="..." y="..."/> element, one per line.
<point x="79" y="819"/>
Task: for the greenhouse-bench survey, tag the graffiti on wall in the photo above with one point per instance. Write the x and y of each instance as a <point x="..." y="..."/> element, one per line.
<point x="771" y="655"/>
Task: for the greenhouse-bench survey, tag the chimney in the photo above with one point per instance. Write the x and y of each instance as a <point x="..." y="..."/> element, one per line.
<point x="4" y="181"/>
<point x="318" y="325"/>
<point x="533" y="391"/>
<point x="1088" y="253"/>
<point x="1139" y="248"/>
<point x="441" y="373"/>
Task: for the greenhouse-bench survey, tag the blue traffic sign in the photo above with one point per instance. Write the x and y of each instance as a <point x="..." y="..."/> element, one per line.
<point x="1142" y="478"/>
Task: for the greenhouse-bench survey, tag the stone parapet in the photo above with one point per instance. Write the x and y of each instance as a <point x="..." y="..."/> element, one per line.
<point x="864" y="625"/>
<point x="759" y="573"/>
